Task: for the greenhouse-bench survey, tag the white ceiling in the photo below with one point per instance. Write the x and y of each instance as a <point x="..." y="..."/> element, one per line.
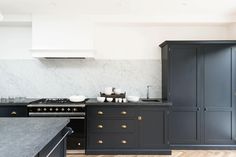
<point x="130" y="7"/>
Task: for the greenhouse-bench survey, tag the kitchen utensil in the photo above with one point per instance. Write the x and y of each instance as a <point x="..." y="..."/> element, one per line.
<point x="117" y="91"/>
<point x="77" y="98"/>
<point x="101" y="99"/>
<point x="108" y="90"/>
<point x="109" y="99"/>
<point x="133" y="98"/>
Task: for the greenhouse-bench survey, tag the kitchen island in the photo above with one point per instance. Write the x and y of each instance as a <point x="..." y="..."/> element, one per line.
<point x="32" y="137"/>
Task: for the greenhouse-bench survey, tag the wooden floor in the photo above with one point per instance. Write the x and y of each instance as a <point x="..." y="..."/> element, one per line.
<point x="176" y="153"/>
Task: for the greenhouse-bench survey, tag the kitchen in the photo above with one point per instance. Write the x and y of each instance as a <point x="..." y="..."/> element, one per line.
<point x="51" y="50"/>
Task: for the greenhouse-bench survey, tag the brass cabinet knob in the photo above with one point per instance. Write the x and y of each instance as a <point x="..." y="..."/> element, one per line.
<point x="124" y="126"/>
<point x="100" y="142"/>
<point x="13" y="113"/>
<point x="139" y="117"/>
<point x="123" y="113"/>
<point x="123" y="141"/>
<point x="100" y="126"/>
<point x="100" y="113"/>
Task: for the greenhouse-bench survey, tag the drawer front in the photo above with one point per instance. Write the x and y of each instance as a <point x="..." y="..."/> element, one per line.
<point x="114" y="141"/>
<point x="108" y="111"/>
<point x="111" y="125"/>
<point x="13" y="111"/>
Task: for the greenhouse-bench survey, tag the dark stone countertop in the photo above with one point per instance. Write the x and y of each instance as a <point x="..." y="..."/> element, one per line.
<point x="161" y="102"/>
<point x="17" y="102"/>
<point x="26" y="137"/>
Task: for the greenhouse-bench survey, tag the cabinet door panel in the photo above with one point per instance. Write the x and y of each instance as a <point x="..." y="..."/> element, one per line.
<point x="184" y="127"/>
<point x="183" y="76"/>
<point x="218" y="114"/>
<point x="185" y="117"/>
<point x="218" y="125"/>
<point x="217" y="76"/>
<point x="152" y="128"/>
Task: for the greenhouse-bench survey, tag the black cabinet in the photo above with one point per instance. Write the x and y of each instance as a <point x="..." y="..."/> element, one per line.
<point x="129" y="129"/>
<point x="13" y="111"/>
<point x="199" y="78"/>
<point x="152" y="128"/>
<point x="56" y="147"/>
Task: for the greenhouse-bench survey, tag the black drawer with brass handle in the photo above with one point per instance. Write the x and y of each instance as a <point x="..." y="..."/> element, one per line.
<point x="111" y="125"/>
<point x="108" y="111"/>
<point x="13" y="111"/>
<point x="112" y="141"/>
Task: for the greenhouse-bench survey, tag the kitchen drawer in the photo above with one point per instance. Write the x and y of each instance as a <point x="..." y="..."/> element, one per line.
<point x="13" y="111"/>
<point x="114" y="141"/>
<point x="111" y="125"/>
<point x="111" y="111"/>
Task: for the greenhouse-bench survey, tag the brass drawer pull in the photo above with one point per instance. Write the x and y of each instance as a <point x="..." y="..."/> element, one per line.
<point x="13" y="113"/>
<point x="100" y="126"/>
<point x="100" y="113"/>
<point x="139" y="117"/>
<point x="123" y="141"/>
<point x="124" y="126"/>
<point x="123" y="113"/>
<point x="100" y="142"/>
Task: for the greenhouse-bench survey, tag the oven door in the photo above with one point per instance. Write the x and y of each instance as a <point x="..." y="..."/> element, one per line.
<point x="76" y="141"/>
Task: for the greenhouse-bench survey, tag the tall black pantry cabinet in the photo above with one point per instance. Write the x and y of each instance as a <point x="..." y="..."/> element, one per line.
<point x="199" y="78"/>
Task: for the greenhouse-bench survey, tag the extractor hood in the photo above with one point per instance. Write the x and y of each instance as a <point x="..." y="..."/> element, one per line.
<point x="63" y="53"/>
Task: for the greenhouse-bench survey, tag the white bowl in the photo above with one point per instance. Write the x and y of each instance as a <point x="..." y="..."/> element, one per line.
<point x="101" y="99"/>
<point x="109" y="99"/>
<point x="77" y="98"/>
<point x="133" y="98"/>
<point x="117" y="91"/>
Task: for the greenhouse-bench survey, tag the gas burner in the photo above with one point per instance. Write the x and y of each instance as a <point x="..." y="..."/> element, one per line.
<point x="52" y="101"/>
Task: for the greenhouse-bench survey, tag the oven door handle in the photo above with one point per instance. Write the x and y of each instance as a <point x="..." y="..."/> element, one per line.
<point x="77" y="117"/>
<point x="68" y="132"/>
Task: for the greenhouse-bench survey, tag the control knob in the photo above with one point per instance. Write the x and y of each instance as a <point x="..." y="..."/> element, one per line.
<point x="38" y="109"/>
<point x="68" y="109"/>
<point x="44" y="109"/>
<point x="62" y="109"/>
<point x="74" y="109"/>
<point x="50" y="109"/>
<point x="56" y="109"/>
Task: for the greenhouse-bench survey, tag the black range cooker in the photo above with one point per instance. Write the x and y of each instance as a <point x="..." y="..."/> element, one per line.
<point x="63" y="108"/>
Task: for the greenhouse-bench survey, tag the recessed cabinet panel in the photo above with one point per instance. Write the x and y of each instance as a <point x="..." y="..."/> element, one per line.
<point x="151" y="134"/>
<point x="183" y="76"/>
<point x="218" y="127"/>
<point x="217" y="76"/>
<point x="184" y="127"/>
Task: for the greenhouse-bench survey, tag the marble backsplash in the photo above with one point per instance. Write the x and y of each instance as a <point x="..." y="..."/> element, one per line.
<point x="65" y="77"/>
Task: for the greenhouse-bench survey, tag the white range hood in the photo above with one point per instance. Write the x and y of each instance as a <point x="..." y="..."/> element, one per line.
<point x="62" y="36"/>
<point x="63" y="53"/>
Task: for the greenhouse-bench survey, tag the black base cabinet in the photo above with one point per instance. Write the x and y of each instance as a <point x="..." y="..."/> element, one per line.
<point x="129" y="129"/>
<point x="199" y="79"/>
<point x="13" y="110"/>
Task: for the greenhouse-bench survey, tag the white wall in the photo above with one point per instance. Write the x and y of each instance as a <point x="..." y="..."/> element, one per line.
<point x="140" y="41"/>
<point x="15" y="42"/>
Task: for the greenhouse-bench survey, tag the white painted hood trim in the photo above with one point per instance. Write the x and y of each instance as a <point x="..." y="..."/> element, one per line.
<point x="63" y="53"/>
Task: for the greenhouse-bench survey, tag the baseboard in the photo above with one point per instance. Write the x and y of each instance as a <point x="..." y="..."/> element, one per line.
<point x="128" y="152"/>
<point x="203" y="147"/>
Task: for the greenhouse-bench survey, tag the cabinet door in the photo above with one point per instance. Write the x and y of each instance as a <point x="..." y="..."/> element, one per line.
<point x="153" y="128"/>
<point x="218" y="113"/>
<point x="185" y="115"/>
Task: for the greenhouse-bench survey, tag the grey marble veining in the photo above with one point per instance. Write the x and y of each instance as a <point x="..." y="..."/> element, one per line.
<point x="26" y="137"/>
<point x="65" y="77"/>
